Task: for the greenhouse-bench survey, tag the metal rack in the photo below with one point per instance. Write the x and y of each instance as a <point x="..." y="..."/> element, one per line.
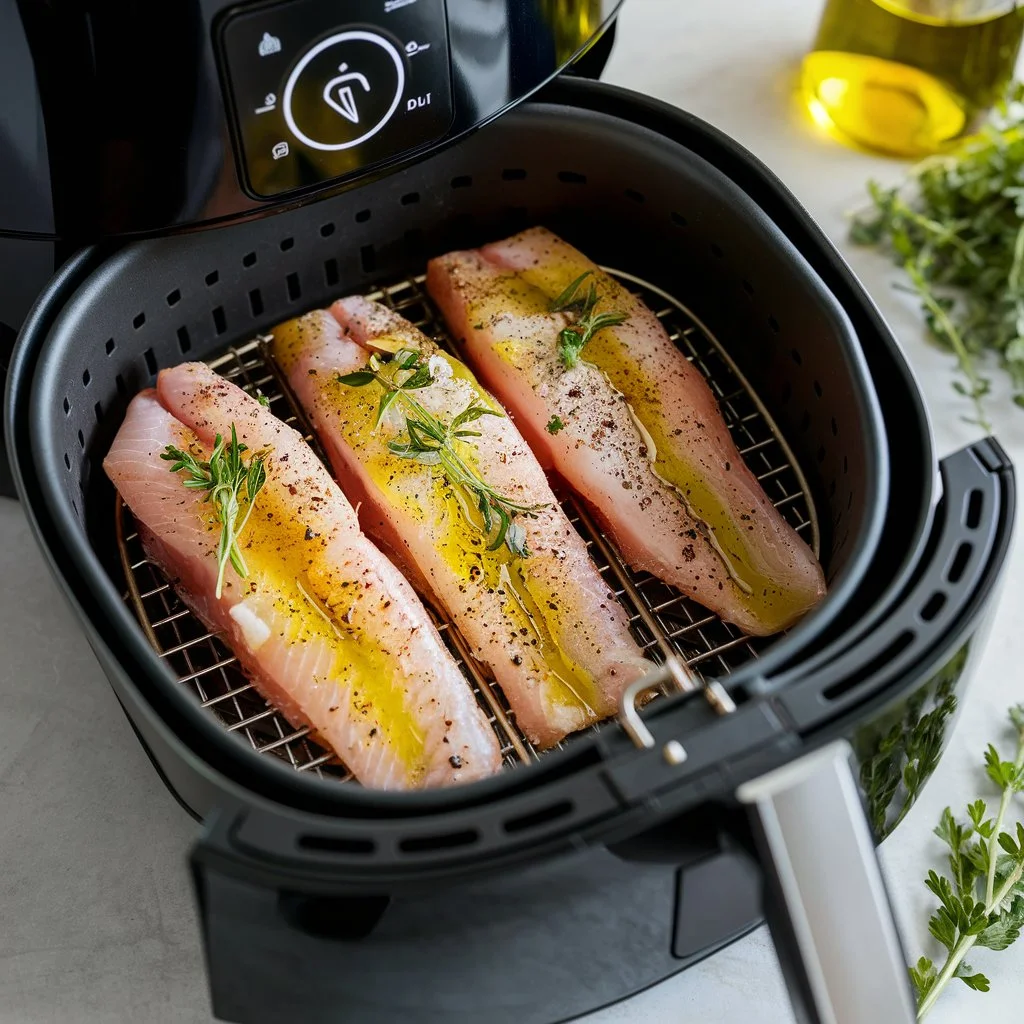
<point x="664" y="622"/>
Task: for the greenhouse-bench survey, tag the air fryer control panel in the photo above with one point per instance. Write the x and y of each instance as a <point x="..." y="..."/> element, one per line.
<point x="314" y="98"/>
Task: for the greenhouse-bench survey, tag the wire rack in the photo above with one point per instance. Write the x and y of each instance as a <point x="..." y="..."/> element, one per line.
<point x="663" y="621"/>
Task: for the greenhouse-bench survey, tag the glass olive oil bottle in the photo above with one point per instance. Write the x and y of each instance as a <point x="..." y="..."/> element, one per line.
<point x="907" y="76"/>
<point x="572" y="23"/>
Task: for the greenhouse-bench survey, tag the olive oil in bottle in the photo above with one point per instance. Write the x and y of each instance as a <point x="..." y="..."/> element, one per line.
<point x="571" y="23"/>
<point x="907" y="76"/>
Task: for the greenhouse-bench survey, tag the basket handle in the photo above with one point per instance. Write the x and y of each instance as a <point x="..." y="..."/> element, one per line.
<point x="825" y="899"/>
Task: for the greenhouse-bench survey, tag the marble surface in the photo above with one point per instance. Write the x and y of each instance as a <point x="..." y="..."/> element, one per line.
<point x="96" y="917"/>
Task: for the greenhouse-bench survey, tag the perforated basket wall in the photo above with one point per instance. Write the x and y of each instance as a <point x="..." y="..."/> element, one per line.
<point x="627" y="197"/>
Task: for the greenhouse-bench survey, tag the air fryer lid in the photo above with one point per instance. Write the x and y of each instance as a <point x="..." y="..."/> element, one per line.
<point x="689" y="229"/>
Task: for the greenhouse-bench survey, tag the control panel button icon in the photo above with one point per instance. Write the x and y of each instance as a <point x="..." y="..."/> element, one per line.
<point x="343" y="90"/>
<point x="339" y="96"/>
<point x="269" y="45"/>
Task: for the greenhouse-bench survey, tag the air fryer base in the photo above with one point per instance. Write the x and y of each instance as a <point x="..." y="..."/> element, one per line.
<point x="555" y="939"/>
<point x="550" y="943"/>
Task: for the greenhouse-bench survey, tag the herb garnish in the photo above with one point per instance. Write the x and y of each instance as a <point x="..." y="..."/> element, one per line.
<point x="982" y="896"/>
<point x="430" y="441"/>
<point x="555" y="424"/>
<point x="588" y="321"/>
<point x="896" y="764"/>
<point x="224" y="478"/>
<point x="959" y="235"/>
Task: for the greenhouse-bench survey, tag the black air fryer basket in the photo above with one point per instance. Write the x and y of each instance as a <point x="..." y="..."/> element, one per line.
<point x="578" y="878"/>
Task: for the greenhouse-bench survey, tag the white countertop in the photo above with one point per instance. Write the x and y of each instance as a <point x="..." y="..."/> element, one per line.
<point x="96" y="916"/>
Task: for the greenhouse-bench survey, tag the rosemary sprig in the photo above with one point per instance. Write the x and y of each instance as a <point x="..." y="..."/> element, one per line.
<point x="982" y="896"/>
<point x="231" y="487"/>
<point x="432" y="442"/>
<point x="587" y="323"/>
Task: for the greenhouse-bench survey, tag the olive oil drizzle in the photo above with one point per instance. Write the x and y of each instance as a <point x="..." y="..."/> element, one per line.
<point x="288" y="568"/>
<point x="432" y="442"/>
<point x="702" y="526"/>
<point x="455" y="525"/>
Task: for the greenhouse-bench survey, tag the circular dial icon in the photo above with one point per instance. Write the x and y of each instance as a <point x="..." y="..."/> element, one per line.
<point x="343" y="90"/>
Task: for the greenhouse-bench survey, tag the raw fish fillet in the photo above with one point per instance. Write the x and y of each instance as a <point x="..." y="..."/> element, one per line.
<point x="323" y="624"/>
<point x="633" y="428"/>
<point x="553" y="634"/>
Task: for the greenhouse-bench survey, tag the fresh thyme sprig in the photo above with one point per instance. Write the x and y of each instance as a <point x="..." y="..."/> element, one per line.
<point x="982" y="896"/>
<point x="956" y="226"/>
<point x="430" y="441"/>
<point x="231" y="487"/>
<point x="588" y="322"/>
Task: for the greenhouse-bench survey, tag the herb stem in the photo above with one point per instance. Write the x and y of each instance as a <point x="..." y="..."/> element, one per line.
<point x="223" y="477"/>
<point x="994" y="921"/>
<point x="587" y="321"/>
<point x="1013" y="278"/>
<point x="966" y="943"/>
<point x="947" y="234"/>
<point x="952" y="335"/>
<point x="1004" y="804"/>
<point x="432" y="442"/>
<point x="958" y="218"/>
<point x="953" y="961"/>
<point x="456" y="468"/>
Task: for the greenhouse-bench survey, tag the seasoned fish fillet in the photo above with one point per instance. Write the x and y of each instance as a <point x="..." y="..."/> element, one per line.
<point x="633" y="427"/>
<point x="554" y="636"/>
<point x="323" y="624"/>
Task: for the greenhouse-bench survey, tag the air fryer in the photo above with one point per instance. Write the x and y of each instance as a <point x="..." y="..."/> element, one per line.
<point x="580" y="877"/>
<point x="117" y="121"/>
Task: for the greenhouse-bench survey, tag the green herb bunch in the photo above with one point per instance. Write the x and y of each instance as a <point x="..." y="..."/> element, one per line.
<point x="900" y="761"/>
<point x="981" y="897"/>
<point x="231" y="486"/>
<point x="957" y="228"/>
<point x="583" y="307"/>
<point x="432" y="442"/>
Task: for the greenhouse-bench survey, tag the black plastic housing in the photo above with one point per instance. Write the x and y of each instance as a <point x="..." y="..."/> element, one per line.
<point x="115" y="120"/>
<point x="109" y="128"/>
<point x="157" y="302"/>
<point x="598" y="855"/>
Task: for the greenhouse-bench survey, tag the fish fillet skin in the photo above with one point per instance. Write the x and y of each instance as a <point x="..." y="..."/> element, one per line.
<point x="549" y="628"/>
<point x="633" y="428"/>
<point x="323" y="624"/>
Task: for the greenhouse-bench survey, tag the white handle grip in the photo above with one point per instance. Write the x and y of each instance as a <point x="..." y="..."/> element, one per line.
<point x="826" y="902"/>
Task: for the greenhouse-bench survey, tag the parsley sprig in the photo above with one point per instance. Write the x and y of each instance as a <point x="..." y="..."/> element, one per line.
<point x="432" y="442"/>
<point x="231" y="486"/>
<point x="587" y="322"/>
<point x="956" y="226"/>
<point x="981" y="897"/>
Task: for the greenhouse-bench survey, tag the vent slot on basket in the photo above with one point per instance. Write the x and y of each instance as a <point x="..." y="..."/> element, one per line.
<point x="660" y="617"/>
<point x="337" y="844"/>
<point x="446" y="841"/>
<point x="535" y="819"/>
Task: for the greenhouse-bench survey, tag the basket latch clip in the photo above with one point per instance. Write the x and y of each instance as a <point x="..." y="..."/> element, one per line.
<point x="671" y="675"/>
